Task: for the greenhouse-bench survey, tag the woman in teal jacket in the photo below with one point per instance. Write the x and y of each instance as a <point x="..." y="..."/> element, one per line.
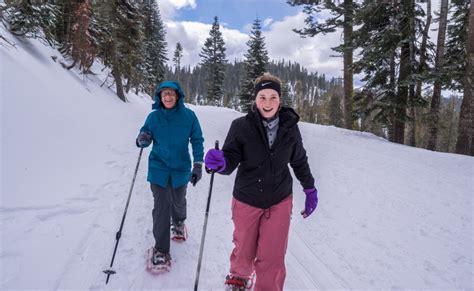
<point x="170" y="127"/>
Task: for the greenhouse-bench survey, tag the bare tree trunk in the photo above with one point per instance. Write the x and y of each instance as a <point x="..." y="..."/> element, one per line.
<point x="452" y="114"/>
<point x="128" y="86"/>
<point x="67" y="45"/>
<point x="405" y="72"/>
<point x="472" y="127"/>
<point x="465" y="140"/>
<point x="439" y="61"/>
<point x="412" y="111"/>
<point x="348" y="75"/>
<point x="391" y="118"/>
<point x="118" y="84"/>
<point x="423" y="47"/>
<point x="411" y="125"/>
<point x="117" y="74"/>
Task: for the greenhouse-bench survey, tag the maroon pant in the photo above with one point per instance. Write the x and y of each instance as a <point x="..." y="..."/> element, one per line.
<point x="260" y="241"/>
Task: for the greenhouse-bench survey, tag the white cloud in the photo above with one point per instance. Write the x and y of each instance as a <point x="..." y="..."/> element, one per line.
<point x="168" y="7"/>
<point x="192" y="36"/>
<point x="314" y="53"/>
<point x="267" y="22"/>
<point x="247" y="28"/>
<point x="183" y="3"/>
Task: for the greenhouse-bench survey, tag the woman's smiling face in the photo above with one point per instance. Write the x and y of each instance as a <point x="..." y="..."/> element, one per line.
<point x="168" y="98"/>
<point x="267" y="102"/>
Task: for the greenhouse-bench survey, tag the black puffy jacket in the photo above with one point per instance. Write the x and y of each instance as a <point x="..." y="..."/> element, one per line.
<point x="263" y="177"/>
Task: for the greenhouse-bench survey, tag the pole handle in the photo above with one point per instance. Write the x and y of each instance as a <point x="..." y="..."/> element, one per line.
<point x="216" y="147"/>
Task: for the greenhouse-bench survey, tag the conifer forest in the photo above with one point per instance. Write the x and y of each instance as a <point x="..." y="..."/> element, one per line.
<point x="411" y="89"/>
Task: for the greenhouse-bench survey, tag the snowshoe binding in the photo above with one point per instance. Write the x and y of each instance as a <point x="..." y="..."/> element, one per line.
<point x="179" y="231"/>
<point x="235" y="283"/>
<point x="158" y="262"/>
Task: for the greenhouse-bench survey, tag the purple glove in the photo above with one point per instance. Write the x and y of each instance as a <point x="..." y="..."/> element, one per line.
<point x="215" y="160"/>
<point x="311" y="201"/>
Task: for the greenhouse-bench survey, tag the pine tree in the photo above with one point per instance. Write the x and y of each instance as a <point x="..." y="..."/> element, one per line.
<point x="465" y="141"/>
<point x="131" y="49"/>
<point x="233" y="74"/>
<point x="64" y="24"/>
<point x="213" y="61"/>
<point x="416" y="100"/>
<point x="449" y="118"/>
<point x="116" y="21"/>
<point x="81" y="44"/>
<point x="406" y="68"/>
<point x="378" y="37"/>
<point x="436" y="99"/>
<point x="335" y="109"/>
<point x="177" y="55"/>
<point x="300" y="87"/>
<point x="456" y="41"/>
<point x="342" y="15"/>
<point x="155" y="46"/>
<point x="388" y="61"/>
<point x="285" y="95"/>
<point x="37" y="20"/>
<point x="74" y="31"/>
<point x="256" y="61"/>
<point x="299" y="97"/>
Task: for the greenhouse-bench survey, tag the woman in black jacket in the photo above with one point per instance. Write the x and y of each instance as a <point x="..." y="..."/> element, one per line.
<point x="262" y="144"/>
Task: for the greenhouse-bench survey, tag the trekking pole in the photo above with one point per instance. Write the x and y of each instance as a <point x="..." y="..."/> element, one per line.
<point x="119" y="233"/>
<point x="205" y="225"/>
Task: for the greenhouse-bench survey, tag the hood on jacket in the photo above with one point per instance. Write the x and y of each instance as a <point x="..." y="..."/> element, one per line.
<point x="168" y="85"/>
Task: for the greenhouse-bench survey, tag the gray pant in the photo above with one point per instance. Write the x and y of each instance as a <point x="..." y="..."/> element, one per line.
<point x="169" y="204"/>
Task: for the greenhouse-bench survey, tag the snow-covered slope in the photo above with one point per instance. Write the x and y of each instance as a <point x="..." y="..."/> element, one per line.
<point x="389" y="216"/>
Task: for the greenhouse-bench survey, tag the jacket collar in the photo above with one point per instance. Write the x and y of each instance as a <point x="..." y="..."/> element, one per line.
<point x="287" y="119"/>
<point x="287" y="116"/>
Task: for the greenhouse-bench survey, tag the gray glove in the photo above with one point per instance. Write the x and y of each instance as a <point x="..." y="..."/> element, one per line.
<point x="143" y="139"/>
<point x="196" y="173"/>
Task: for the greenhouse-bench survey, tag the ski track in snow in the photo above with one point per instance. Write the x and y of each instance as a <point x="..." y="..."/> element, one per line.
<point x="51" y="220"/>
<point x="389" y="216"/>
<point x="184" y="254"/>
<point x="320" y="267"/>
<point x="96" y="236"/>
<point x="311" y="270"/>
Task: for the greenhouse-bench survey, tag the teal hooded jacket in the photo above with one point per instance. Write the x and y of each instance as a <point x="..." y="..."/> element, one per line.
<point x="172" y="131"/>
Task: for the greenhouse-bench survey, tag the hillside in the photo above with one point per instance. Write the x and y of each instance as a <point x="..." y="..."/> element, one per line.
<point x="389" y="216"/>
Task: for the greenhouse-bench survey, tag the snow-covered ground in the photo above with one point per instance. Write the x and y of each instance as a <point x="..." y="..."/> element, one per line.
<point x="389" y="216"/>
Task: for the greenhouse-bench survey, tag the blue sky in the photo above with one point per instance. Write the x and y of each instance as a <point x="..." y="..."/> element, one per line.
<point x="189" y="22"/>
<point x="236" y="14"/>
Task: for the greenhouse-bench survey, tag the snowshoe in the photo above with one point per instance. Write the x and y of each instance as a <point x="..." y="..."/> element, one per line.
<point x="235" y="283"/>
<point x="158" y="262"/>
<point x="179" y="231"/>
